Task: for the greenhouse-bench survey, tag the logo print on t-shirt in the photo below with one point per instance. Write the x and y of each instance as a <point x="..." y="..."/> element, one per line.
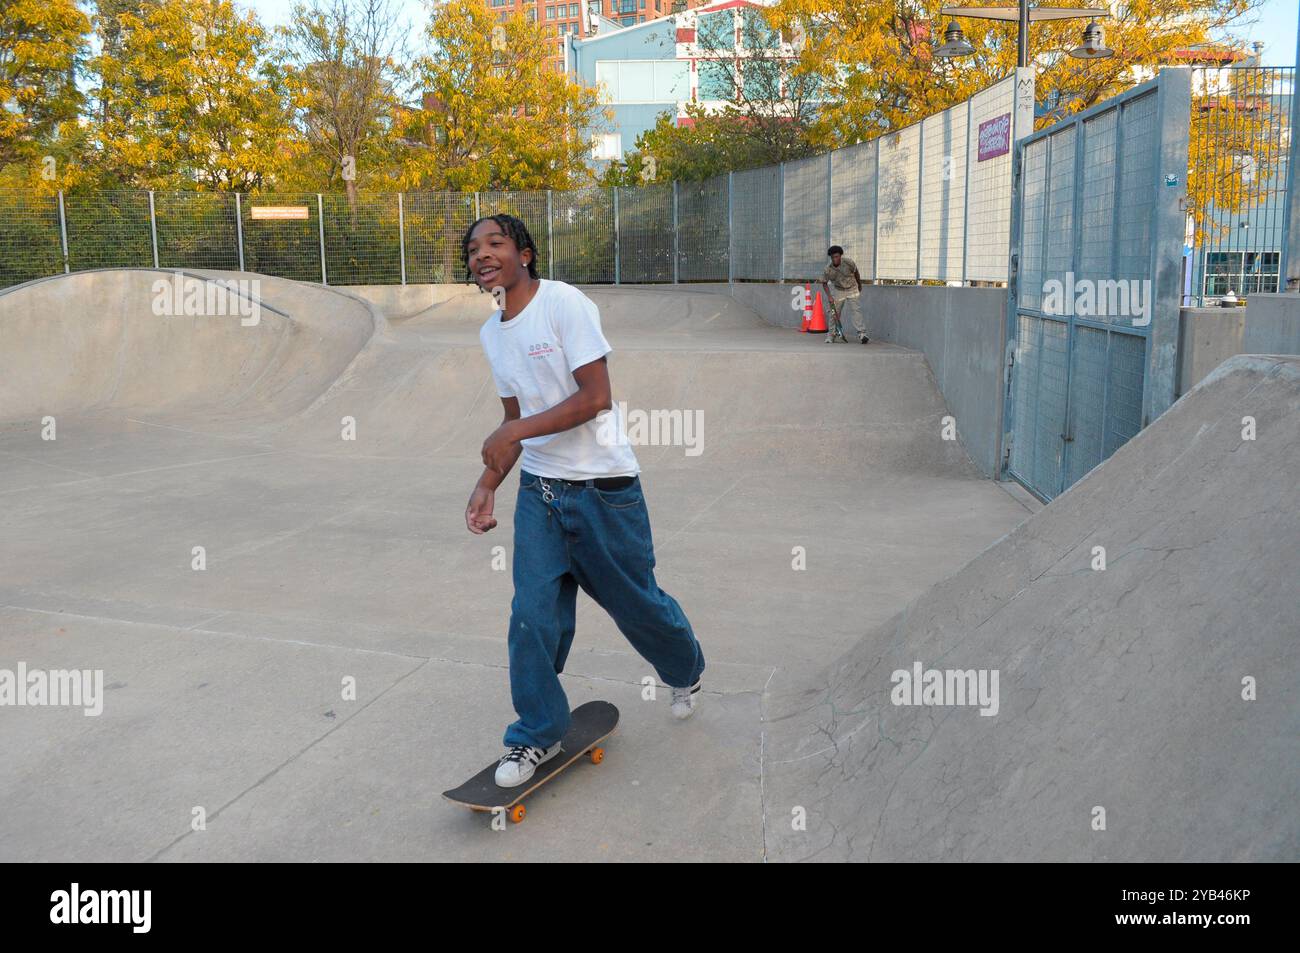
<point x="539" y="350"/>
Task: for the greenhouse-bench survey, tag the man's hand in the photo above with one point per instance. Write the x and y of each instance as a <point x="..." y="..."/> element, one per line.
<point x="501" y="448"/>
<point x="478" y="515"/>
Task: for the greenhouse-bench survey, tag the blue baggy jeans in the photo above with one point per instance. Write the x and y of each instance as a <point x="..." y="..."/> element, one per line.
<point x="571" y="536"/>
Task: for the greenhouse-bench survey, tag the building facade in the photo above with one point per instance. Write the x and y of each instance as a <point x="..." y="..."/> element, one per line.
<point x="663" y="65"/>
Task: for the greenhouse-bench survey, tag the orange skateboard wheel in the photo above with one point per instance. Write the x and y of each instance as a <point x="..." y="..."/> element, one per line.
<point x="517" y="813"/>
<point x="597" y="755"/>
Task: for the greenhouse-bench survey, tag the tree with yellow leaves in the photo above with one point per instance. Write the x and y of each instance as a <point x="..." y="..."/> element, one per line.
<point x="875" y="56"/>
<point x="347" y="77"/>
<point x="192" y="99"/>
<point x="40" y="42"/>
<point x="1239" y="125"/>
<point x="498" y="115"/>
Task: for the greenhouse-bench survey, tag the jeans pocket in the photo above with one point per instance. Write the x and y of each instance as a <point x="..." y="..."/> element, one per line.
<point x="623" y="499"/>
<point x="527" y="480"/>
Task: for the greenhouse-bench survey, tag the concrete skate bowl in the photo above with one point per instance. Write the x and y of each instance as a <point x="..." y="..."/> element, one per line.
<point x="763" y="399"/>
<point x="91" y="344"/>
<point x="1122" y="733"/>
<point x="331" y="557"/>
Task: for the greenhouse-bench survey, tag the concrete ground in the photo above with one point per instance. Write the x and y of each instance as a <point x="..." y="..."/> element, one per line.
<point x="329" y="560"/>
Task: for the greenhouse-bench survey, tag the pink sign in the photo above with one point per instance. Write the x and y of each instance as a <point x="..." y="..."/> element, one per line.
<point x="995" y="137"/>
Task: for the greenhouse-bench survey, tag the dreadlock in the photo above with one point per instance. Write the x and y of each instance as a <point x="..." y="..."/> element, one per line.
<point x="514" y="229"/>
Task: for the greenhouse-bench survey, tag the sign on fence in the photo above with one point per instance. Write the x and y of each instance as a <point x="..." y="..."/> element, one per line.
<point x="995" y="137"/>
<point x="283" y="213"/>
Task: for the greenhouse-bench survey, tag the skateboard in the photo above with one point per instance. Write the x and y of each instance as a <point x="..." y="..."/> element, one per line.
<point x="591" y="724"/>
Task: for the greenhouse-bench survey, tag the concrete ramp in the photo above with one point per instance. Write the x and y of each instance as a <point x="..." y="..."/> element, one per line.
<point x="96" y="342"/>
<point x="1120" y="694"/>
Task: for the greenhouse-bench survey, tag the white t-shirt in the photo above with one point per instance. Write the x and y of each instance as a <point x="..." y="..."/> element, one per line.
<point x="533" y="356"/>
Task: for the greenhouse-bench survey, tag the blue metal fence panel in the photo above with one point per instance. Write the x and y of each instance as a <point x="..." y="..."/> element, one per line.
<point x="1092" y="310"/>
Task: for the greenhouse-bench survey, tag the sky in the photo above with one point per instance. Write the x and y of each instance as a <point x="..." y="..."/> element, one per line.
<point x="1275" y="23"/>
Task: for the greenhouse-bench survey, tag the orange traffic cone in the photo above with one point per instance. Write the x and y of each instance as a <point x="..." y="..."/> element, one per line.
<point x="818" y="325"/>
<point x="807" y="308"/>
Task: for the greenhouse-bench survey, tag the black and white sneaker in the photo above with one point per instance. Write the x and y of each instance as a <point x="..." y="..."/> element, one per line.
<point x="684" y="701"/>
<point x="520" y="763"/>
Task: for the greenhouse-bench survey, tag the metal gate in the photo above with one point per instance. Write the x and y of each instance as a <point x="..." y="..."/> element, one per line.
<point x="1098" y="213"/>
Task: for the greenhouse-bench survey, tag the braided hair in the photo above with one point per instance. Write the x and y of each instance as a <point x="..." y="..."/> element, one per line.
<point x="514" y="229"/>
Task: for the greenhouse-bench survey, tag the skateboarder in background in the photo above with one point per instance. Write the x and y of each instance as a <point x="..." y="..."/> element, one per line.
<point x="580" y="516"/>
<point x="843" y="285"/>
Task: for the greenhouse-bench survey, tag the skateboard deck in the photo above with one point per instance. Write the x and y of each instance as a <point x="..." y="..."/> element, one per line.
<point x="591" y="724"/>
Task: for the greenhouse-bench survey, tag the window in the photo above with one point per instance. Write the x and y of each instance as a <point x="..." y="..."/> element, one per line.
<point x="564" y="28"/>
<point x="627" y="6"/>
<point x="550" y="13"/>
<point x="573" y="11"/>
<point x="715" y="79"/>
<point x="715" y="31"/>
<point x="643" y="5"/>
<point x="1243" y="273"/>
<point x="762" y="79"/>
<point x="756" y="32"/>
<point x="627" y="21"/>
<point x="607" y="146"/>
<point x="641" y="81"/>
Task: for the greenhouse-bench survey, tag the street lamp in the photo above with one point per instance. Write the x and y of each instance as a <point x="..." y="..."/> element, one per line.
<point x="954" y="43"/>
<point x="1094" y="46"/>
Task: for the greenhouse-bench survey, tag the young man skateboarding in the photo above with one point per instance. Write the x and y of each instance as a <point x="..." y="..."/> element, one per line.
<point x="843" y="284"/>
<point x="580" y="517"/>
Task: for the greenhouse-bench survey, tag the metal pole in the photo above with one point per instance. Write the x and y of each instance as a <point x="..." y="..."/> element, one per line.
<point x="920" y="195"/>
<point x="1022" y="35"/>
<point x="616" y="244"/>
<point x="1168" y="224"/>
<point x="780" y="232"/>
<point x="829" y="237"/>
<point x="477" y="213"/>
<point x="550" y="242"/>
<point x="731" y="235"/>
<point x="239" y="229"/>
<point x="320" y="222"/>
<point x="153" y="229"/>
<point x="965" y="212"/>
<point x="401" y="234"/>
<point x="63" y="233"/>
<point x="675" y="242"/>
<point x="1290" y="272"/>
<point x="875" y="217"/>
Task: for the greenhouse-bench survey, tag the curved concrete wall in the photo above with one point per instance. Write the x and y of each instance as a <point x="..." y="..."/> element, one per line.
<point x="90" y="342"/>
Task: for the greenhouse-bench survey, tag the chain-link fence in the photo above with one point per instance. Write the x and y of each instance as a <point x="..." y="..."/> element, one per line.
<point x="1241" y="140"/>
<point x="927" y="202"/>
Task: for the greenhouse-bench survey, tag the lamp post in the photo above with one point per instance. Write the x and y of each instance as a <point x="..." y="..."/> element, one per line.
<point x="955" y="44"/>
